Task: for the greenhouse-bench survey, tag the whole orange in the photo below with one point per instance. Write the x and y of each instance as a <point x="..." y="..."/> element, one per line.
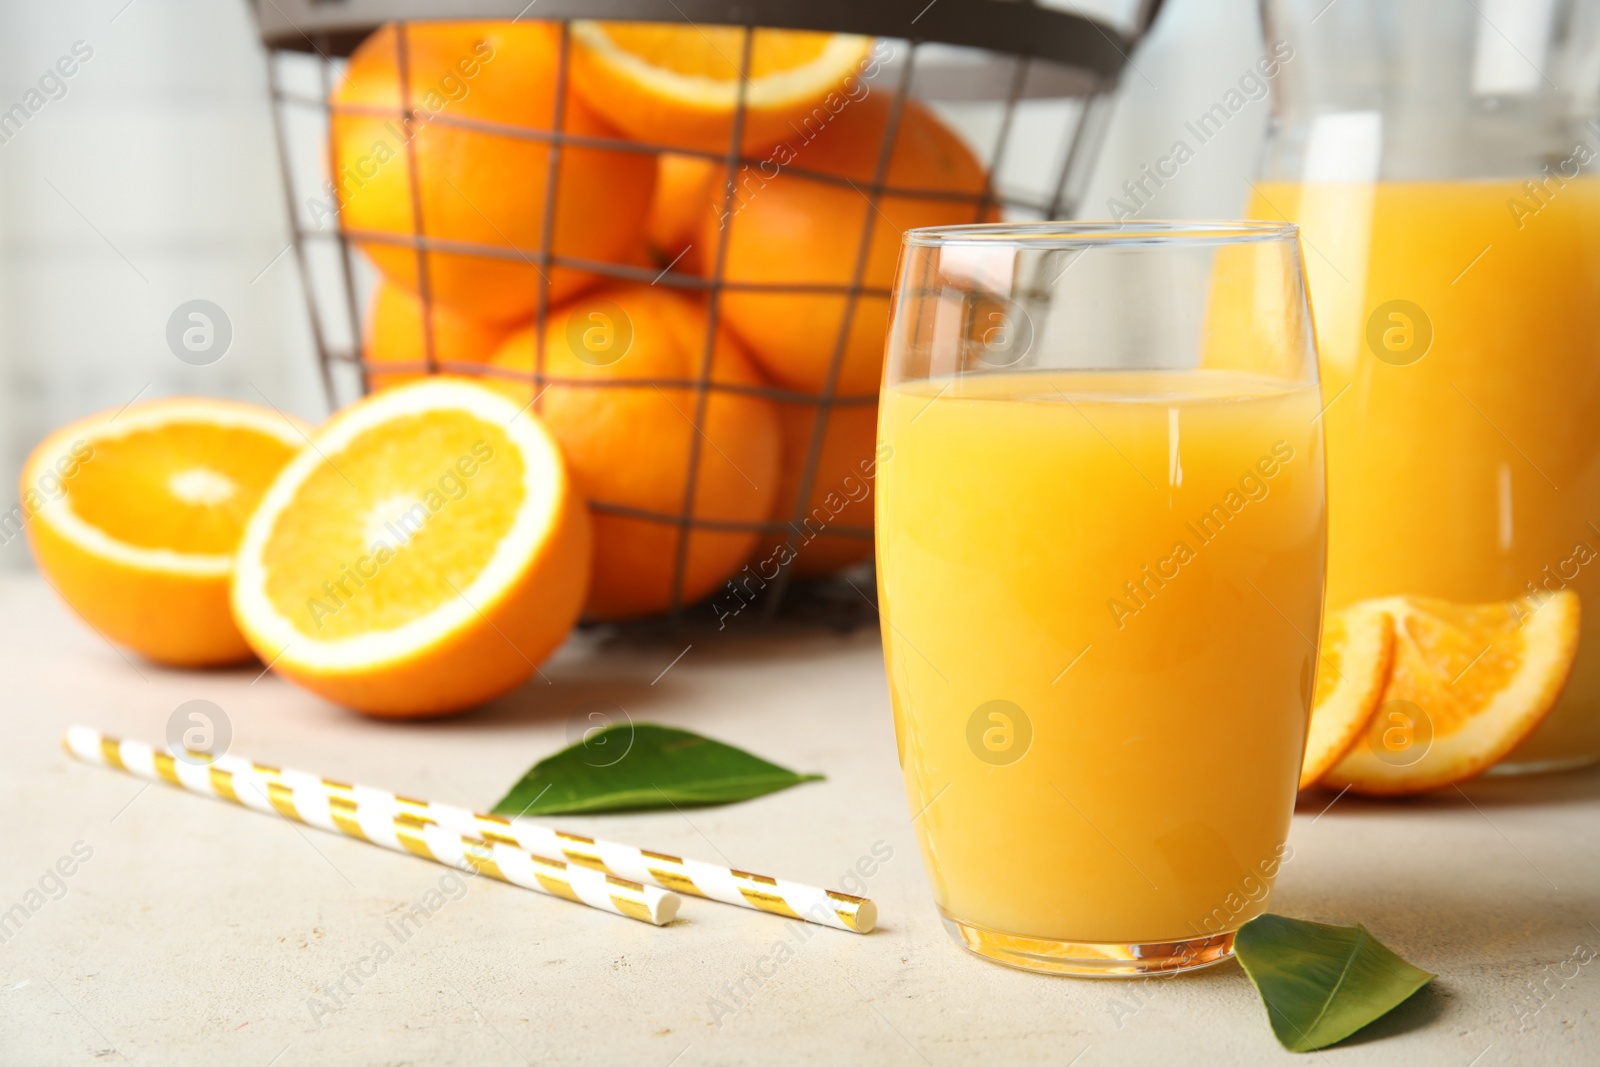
<point x="629" y="445"/>
<point x="398" y="334"/>
<point x="687" y="191"/>
<point x="840" y="495"/>
<point x="786" y="228"/>
<point x="476" y="185"/>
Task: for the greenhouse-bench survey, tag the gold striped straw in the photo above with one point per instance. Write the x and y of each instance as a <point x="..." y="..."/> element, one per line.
<point x="265" y="789"/>
<point x="794" y="900"/>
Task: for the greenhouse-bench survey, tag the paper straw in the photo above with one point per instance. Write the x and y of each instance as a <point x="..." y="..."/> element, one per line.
<point x="794" y="900"/>
<point x="265" y="789"/>
<point x="759" y="892"/>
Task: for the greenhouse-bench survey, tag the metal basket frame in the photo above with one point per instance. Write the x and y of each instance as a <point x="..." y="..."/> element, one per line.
<point x="1017" y="29"/>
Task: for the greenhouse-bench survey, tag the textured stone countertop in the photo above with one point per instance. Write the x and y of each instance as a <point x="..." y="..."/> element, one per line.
<point x="197" y="932"/>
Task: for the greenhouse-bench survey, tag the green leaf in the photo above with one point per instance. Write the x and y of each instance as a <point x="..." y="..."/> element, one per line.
<point x="1322" y="983"/>
<point x="637" y="766"/>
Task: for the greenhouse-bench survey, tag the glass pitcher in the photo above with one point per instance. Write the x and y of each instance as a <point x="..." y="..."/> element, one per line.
<point x="1440" y="159"/>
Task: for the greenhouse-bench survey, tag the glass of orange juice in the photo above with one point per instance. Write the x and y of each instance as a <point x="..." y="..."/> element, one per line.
<point x="1101" y="535"/>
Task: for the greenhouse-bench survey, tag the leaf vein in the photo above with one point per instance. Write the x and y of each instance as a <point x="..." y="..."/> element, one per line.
<point x="1344" y="973"/>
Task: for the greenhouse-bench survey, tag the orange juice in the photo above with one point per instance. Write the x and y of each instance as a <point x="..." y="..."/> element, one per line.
<point x="1459" y="330"/>
<point x="1100" y="593"/>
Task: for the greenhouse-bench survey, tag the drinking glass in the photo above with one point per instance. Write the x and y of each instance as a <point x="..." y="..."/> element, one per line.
<point x="1101" y="531"/>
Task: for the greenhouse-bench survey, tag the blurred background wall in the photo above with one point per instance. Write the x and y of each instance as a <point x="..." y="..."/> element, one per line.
<point x="150" y="178"/>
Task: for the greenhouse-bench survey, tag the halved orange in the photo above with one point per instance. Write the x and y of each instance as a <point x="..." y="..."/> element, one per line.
<point x="1469" y="682"/>
<point x="1356" y="654"/>
<point x="422" y="557"/>
<point x="679" y="85"/>
<point x="134" y="516"/>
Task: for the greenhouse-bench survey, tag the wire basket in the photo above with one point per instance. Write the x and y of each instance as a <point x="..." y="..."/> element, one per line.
<point x="1026" y="83"/>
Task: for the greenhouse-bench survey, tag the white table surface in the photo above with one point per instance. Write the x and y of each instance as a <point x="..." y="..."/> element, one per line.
<point x="198" y="932"/>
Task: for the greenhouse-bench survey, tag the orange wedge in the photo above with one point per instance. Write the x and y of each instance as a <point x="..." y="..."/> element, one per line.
<point x="422" y="557"/>
<point x="134" y="516"/>
<point x="1469" y="682"/>
<point x="679" y="85"/>
<point x="1353" y="668"/>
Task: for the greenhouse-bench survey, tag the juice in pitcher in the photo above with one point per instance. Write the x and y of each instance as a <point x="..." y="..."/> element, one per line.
<point x="1440" y="162"/>
<point x="1461" y="366"/>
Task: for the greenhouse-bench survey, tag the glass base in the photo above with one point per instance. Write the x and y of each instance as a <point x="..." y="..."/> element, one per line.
<point x="1543" y="766"/>
<point x="1087" y="959"/>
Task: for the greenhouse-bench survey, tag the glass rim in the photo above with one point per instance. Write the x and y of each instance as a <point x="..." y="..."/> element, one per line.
<point x="1087" y="233"/>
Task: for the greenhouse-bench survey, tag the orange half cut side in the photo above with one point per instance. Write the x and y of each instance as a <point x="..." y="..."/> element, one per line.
<point x="134" y="516"/>
<point x="424" y="556"/>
